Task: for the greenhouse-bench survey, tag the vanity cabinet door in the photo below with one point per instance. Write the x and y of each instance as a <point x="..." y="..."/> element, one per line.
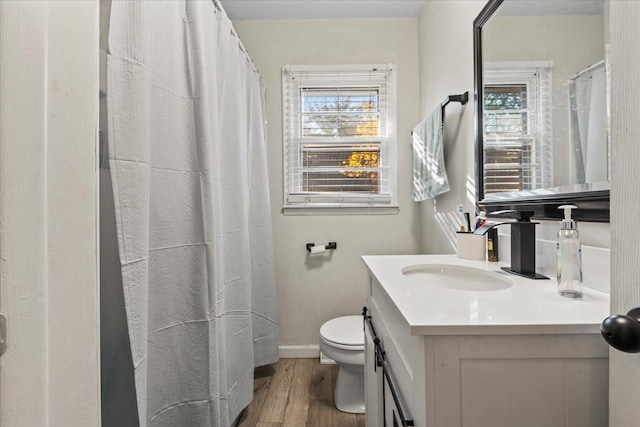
<point x="394" y="415"/>
<point x="384" y="405"/>
<point x="372" y="381"/>
<point x="392" y="418"/>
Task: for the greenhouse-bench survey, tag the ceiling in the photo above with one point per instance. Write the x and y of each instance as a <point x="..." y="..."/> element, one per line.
<point x="336" y="9"/>
<point x="320" y="9"/>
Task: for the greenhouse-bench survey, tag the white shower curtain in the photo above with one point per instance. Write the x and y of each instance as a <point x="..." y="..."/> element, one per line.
<point x="588" y="108"/>
<point x="188" y="163"/>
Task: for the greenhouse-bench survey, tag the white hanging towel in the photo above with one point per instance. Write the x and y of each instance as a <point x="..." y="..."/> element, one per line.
<point x="429" y="173"/>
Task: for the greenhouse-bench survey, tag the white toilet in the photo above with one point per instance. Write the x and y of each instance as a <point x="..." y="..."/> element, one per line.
<point x="342" y="339"/>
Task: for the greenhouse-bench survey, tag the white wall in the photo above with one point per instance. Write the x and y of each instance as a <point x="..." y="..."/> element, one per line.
<point x="48" y="209"/>
<point x="446" y="66"/>
<point x="311" y="291"/>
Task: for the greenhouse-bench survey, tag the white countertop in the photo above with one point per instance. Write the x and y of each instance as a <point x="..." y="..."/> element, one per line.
<point x="527" y="307"/>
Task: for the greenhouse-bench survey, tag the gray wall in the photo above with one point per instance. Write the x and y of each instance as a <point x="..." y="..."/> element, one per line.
<point x="624" y="380"/>
<point x="48" y="213"/>
<point x="446" y="66"/>
<point x="434" y="58"/>
<point x="445" y="37"/>
<point x="312" y="292"/>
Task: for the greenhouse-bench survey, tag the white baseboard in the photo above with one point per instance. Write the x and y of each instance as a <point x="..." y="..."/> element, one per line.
<point x="304" y="352"/>
<point x="324" y="360"/>
<point x="299" y="351"/>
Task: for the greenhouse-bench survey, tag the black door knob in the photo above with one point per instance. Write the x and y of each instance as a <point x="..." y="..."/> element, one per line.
<point x="623" y="332"/>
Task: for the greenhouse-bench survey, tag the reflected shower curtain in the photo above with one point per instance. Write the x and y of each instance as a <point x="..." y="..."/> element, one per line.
<point x="188" y="163"/>
<point x="588" y="115"/>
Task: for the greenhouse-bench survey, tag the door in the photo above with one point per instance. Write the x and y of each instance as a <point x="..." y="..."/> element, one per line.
<point x="49" y="374"/>
<point x="624" y="369"/>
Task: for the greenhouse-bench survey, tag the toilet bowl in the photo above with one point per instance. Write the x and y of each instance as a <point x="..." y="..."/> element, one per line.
<point x="342" y="339"/>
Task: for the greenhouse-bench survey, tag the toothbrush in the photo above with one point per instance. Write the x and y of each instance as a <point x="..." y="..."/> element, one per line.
<point x="460" y="210"/>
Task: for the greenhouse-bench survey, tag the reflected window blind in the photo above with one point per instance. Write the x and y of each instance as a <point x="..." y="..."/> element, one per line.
<point x="517" y="129"/>
<point x="338" y="127"/>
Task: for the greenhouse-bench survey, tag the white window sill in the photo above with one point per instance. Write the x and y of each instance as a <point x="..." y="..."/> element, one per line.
<point x="329" y="209"/>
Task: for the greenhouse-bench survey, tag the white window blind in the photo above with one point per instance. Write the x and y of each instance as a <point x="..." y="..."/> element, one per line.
<point x="339" y="135"/>
<point x="517" y="128"/>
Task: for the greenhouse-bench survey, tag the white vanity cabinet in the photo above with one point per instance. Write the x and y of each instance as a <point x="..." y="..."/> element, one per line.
<point x="481" y="380"/>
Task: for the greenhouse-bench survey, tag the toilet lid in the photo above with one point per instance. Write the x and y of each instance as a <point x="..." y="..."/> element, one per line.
<point x="347" y="331"/>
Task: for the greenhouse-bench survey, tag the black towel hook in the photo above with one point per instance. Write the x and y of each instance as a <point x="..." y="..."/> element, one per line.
<point x="463" y="98"/>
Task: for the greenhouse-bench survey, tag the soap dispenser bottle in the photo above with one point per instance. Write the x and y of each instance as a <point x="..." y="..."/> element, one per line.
<point x="569" y="256"/>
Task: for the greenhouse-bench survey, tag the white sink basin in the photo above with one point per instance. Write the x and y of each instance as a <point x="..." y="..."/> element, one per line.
<point x="457" y="277"/>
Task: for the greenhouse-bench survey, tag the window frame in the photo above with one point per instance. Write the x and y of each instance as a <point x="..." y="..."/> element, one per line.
<point x="538" y="78"/>
<point x="298" y="202"/>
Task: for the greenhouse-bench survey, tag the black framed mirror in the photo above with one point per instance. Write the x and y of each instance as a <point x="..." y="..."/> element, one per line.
<point x="542" y="108"/>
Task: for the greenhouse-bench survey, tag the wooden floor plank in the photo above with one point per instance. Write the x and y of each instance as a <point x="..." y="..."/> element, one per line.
<point x="296" y="393"/>
<point x="321" y="382"/>
<point x="298" y="404"/>
<point x="265" y="371"/>
<point x="320" y="413"/>
<point x="344" y="419"/>
<point x="334" y="378"/>
<point x="262" y="380"/>
<point x="275" y="403"/>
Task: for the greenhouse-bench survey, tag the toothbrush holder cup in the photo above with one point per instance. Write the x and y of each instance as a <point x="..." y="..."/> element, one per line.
<point x="471" y="246"/>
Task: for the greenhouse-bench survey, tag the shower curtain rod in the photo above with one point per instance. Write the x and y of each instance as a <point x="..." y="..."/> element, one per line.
<point x="218" y="5"/>
<point x="586" y="70"/>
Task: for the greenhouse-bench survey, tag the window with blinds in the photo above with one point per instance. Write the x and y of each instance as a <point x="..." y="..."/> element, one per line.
<point x="517" y="128"/>
<point x="338" y="125"/>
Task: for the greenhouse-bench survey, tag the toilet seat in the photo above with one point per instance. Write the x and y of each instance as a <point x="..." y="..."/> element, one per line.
<point x="345" y="333"/>
<point x="342" y="346"/>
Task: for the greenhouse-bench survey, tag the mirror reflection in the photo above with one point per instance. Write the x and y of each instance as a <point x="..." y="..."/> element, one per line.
<point x="545" y="97"/>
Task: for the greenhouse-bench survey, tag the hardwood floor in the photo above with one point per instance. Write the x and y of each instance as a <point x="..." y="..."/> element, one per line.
<point x="296" y="393"/>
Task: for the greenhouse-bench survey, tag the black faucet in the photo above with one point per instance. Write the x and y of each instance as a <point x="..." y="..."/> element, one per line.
<point x="523" y="242"/>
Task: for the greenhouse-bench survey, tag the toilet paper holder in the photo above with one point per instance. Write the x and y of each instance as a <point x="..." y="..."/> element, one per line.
<point x="330" y="245"/>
